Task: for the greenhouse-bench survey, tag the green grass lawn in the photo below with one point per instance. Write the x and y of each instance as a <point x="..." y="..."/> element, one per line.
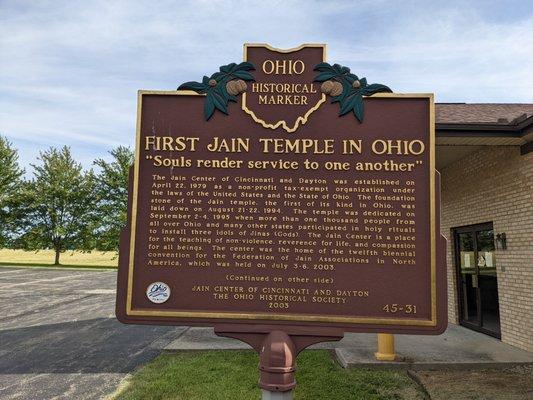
<point x="233" y="375"/>
<point x="45" y="258"/>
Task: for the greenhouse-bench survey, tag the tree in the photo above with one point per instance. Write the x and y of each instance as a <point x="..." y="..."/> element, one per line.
<point x="59" y="205"/>
<point x="10" y="185"/>
<point x="112" y="189"/>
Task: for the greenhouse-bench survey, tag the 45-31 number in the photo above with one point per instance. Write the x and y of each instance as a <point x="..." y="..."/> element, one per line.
<point x="394" y="308"/>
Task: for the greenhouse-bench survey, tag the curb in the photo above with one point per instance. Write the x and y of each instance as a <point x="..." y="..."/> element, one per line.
<point x="432" y="366"/>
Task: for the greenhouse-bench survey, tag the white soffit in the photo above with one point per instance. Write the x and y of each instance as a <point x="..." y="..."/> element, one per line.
<point x="479" y="141"/>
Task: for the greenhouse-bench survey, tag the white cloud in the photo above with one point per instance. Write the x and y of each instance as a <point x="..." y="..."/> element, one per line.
<point x="70" y="70"/>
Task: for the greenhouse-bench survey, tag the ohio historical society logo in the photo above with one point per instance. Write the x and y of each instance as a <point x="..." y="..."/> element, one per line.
<point x="158" y="292"/>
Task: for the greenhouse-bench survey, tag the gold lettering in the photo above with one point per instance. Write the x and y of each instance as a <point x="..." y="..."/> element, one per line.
<point x="351" y="146"/>
<point x="399" y="147"/>
<point x="283" y="67"/>
<point x="169" y="143"/>
<point x="233" y="145"/>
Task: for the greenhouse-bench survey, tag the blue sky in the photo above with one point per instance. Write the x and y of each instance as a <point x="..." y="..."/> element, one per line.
<point x="70" y="70"/>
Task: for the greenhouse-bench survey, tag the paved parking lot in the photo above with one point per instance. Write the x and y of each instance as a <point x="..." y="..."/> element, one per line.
<point x="59" y="337"/>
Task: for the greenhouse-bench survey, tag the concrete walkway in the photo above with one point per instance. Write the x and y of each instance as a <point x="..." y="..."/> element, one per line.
<point x="458" y="347"/>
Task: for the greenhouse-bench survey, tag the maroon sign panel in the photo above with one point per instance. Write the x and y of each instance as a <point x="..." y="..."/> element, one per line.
<point x="274" y="210"/>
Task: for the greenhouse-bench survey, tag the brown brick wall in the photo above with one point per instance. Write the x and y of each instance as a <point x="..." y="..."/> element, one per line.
<point x="495" y="185"/>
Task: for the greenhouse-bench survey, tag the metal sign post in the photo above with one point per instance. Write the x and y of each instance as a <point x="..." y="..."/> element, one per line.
<point x="278" y="351"/>
<point x="268" y="395"/>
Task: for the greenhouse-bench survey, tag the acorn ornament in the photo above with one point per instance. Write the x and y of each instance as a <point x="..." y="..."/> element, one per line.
<point x="326" y="87"/>
<point x="337" y="89"/>
<point x="332" y="88"/>
<point x="236" y="86"/>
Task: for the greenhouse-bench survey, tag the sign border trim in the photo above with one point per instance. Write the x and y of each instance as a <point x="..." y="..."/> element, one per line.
<point x="288" y="317"/>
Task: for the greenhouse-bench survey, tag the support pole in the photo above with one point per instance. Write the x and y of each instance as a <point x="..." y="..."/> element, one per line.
<point x="277" y="363"/>
<point x="277" y="352"/>
<point x="268" y="395"/>
<point x="386" y="350"/>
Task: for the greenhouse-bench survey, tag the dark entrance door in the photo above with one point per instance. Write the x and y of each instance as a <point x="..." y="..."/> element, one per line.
<point x="477" y="280"/>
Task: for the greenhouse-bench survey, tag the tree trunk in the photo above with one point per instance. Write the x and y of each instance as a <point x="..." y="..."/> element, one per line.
<point x="58" y="251"/>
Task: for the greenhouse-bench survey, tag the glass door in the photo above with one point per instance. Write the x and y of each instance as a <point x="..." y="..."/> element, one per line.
<point x="477" y="280"/>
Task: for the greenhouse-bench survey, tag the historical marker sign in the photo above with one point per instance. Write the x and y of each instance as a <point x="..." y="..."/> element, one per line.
<point x="284" y="191"/>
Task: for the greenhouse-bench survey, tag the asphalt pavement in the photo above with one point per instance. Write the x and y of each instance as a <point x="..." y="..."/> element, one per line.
<point x="59" y="338"/>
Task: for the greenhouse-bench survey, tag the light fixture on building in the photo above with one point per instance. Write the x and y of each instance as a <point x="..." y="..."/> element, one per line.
<point x="501" y="241"/>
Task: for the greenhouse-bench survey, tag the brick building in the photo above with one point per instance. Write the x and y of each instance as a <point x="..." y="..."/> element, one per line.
<point x="485" y="157"/>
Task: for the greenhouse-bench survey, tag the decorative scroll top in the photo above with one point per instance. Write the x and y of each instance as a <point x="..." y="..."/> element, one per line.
<point x="284" y="93"/>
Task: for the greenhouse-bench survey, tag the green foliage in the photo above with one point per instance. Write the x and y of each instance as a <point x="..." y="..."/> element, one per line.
<point x="353" y="88"/>
<point x="217" y="97"/>
<point x="232" y="375"/>
<point x="112" y="189"/>
<point x="59" y="205"/>
<point x="10" y="184"/>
